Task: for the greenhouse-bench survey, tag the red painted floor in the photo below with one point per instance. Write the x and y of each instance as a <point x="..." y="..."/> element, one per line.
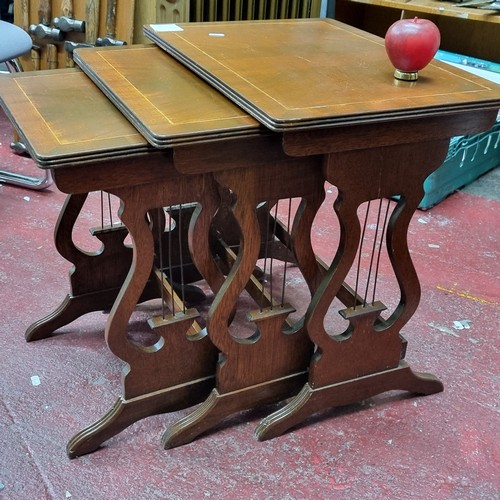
<point x="444" y="446"/>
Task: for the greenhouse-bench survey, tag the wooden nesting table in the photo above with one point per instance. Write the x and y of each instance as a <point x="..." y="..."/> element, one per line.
<point x="313" y="100"/>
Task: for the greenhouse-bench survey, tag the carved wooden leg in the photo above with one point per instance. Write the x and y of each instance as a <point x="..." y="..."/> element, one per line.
<point x="95" y="278"/>
<point x="365" y="359"/>
<point x="274" y="237"/>
<point x="271" y="364"/>
<point x="178" y="370"/>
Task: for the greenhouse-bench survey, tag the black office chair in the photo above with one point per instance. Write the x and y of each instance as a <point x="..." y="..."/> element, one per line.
<point x="15" y="42"/>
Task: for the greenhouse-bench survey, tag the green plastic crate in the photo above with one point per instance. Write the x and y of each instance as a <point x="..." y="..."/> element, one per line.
<point x="468" y="158"/>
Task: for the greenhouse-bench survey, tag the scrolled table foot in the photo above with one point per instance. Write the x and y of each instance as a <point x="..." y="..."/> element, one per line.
<point x="126" y="412"/>
<point x="218" y="406"/>
<point x="67" y="312"/>
<point x="190" y="427"/>
<point x="311" y="400"/>
<point x="287" y="417"/>
<point x="71" y="308"/>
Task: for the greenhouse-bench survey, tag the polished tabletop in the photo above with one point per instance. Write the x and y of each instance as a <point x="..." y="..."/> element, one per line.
<point x="131" y="100"/>
<point x="164" y="100"/>
<point x="58" y="129"/>
<point x="302" y="73"/>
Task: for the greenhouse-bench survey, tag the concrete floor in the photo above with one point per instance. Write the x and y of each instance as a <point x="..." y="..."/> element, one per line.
<point x="444" y="446"/>
<point x="487" y="186"/>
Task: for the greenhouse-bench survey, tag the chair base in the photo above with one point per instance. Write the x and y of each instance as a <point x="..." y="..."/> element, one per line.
<point x="26" y="181"/>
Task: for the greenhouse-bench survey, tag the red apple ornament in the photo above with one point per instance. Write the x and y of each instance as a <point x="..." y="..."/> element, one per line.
<point x="411" y="44"/>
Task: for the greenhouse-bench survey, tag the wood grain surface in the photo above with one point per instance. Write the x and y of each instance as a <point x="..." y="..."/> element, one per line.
<point x="292" y="74"/>
<point x="163" y="99"/>
<point x="56" y="127"/>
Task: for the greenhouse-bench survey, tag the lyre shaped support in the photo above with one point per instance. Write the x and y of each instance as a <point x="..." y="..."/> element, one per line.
<point x="175" y="242"/>
<point x="270" y="365"/>
<point x="178" y="370"/>
<point x="358" y="347"/>
<point x="367" y="359"/>
<point x="95" y="278"/>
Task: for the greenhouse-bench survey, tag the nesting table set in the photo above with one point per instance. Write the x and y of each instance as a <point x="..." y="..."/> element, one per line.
<point x="228" y="118"/>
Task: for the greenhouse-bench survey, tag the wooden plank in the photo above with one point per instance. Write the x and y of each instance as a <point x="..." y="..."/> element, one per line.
<point x="440" y="8"/>
<point x="42" y="106"/>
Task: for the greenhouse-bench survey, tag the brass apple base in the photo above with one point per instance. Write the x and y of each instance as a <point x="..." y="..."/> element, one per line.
<point x="409" y="76"/>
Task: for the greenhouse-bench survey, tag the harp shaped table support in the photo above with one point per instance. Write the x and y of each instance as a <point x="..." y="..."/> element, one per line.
<point x="366" y="359"/>
<point x="272" y="364"/>
<point x="156" y="378"/>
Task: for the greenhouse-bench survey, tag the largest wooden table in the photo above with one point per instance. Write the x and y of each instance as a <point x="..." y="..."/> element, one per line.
<point x="355" y="127"/>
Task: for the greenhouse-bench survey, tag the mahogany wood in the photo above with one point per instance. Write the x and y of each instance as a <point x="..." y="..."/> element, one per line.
<point x="164" y="101"/>
<point x="369" y="350"/>
<point x="270" y="365"/>
<point x="95" y="278"/>
<point x="344" y="393"/>
<point x="99" y="131"/>
<point x="156" y="378"/>
<point x="300" y="78"/>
